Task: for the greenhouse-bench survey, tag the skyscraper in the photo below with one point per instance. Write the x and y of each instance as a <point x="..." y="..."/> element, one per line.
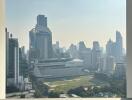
<point x="82" y="49"/>
<point x="41" y="21"/>
<point x="101" y="64"/>
<point x="40" y="40"/>
<point x="73" y="51"/>
<point x="110" y="65"/>
<point x="13" y="62"/>
<point x="109" y="47"/>
<point x="96" y="45"/>
<point x="120" y="70"/>
<point x="32" y="45"/>
<point x="56" y="50"/>
<point x="115" y="49"/>
<point x="7" y="54"/>
<point x="96" y="54"/>
<point x="82" y="46"/>
<point x="119" y="45"/>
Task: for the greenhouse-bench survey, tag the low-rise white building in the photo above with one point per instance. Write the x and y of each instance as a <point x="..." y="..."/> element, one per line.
<point x="57" y="68"/>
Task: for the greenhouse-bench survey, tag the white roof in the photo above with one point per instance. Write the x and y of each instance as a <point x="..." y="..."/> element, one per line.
<point x="77" y="60"/>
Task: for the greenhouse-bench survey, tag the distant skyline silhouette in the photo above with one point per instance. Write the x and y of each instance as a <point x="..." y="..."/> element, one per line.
<point x="70" y="21"/>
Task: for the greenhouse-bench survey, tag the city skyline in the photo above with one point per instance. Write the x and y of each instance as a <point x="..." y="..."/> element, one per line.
<point x="65" y="48"/>
<point x="82" y="19"/>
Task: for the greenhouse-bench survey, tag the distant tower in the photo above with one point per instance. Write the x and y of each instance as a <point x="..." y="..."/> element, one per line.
<point x="40" y="40"/>
<point x="73" y="51"/>
<point x="109" y="48"/>
<point x="96" y="55"/>
<point x="41" y="20"/>
<point x="41" y="23"/>
<point x="82" y="46"/>
<point x="57" y="44"/>
<point x="96" y="45"/>
<point x="119" y="45"/>
<point x="82" y="49"/>
<point x="13" y="62"/>
<point x="110" y="65"/>
<point x="84" y="53"/>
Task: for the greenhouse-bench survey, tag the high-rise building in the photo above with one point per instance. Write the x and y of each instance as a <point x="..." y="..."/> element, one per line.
<point x="57" y="44"/>
<point x="20" y="61"/>
<point x="82" y="46"/>
<point x="115" y="49"/>
<point x="81" y="49"/>
<point x="73" y="51"/>
<point x="101" y="64"/>
<point x="120" y="70"/>
<point x="96" y="54"/>
<point x="96" y="45"/>
<point x="7" y="54"/>
<point x="85" y="54"/>
<point x="13" y="62"/>
<point x="23" y="52"/>
<point x="44" y="45"/>
<point x="32" y="45"/>
<point x="119" y="45"/>
<point x="109" y="48"/>
<point x="41" y="22"/>
<point x="110" y="65"/>
<point x="40" y="40"/>
<point x="56" y="50"/>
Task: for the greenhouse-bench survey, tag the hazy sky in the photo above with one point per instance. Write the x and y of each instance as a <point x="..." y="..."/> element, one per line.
<point x="70" y="21"/>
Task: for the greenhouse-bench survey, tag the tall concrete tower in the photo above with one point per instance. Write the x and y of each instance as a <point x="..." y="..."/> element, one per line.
<point x="96" y="54"/>
<point x="40" y="40"/>
<point x="119" y="45"/>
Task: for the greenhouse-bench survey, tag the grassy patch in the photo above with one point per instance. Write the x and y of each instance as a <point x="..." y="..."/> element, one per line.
<point x="65" y="85"/>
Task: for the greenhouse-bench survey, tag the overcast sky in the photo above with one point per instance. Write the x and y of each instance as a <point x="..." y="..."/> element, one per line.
<point x="70" y="21"/>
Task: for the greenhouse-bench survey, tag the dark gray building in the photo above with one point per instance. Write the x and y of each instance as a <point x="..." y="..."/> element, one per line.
<point x="7" y="53"/>
<point x="13" y="62"/>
